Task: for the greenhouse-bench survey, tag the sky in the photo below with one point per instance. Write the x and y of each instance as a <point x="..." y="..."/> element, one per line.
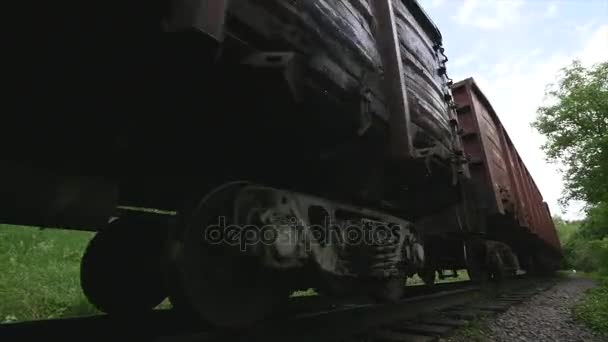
<point x="514" y="49"/>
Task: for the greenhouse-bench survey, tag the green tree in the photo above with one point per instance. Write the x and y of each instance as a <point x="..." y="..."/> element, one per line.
<point x="566" y="230"/>
<point x="576" y="127"/>
<point x="595" y="225"/>
<point x="575" y="124"/>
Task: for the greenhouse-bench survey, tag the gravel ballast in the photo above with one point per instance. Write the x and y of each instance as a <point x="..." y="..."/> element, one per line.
<point x="545" y="317"/>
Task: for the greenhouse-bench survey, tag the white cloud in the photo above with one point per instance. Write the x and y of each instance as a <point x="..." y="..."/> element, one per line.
<point x="515" y="85"/>
<point x="472" y="54"/>
<point x="584" y="29"/>
<point x="596" y="49"/>
<point x="463" y="61"/>
<point x="467" y="9"/>
<point x="551" y="10"/>
<point x="436" y="3"/>
<point x="489" y="14"/>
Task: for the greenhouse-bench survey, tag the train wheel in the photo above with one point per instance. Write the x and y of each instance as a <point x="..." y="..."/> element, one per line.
<point x="427" y="276"/>
<point x="217" y="281"/>
<point x="388" y="290"/>
<point x="120" y="271"/>
<point x="478" y="275"/>
<point x="477" y="271"/>
<point x="497" y="269"/>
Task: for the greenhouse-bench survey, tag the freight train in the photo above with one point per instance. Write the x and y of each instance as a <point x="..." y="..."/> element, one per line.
<point x="234" y="151"/>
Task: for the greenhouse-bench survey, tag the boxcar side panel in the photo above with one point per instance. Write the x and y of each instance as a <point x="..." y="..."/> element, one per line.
<point x="495" y="163"/>
<point x="482" y="142"/>
<point x="343" y="31"/>
<point x="520" y="196"/>
<point x="497" y="167"/>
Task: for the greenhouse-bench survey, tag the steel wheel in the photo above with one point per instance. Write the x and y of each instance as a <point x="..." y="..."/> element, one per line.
<point x="497" y="268"/>
<point x="427" y="276"/>
<point x="218" y="282"/>
<point x="388" y="290"/>
<point x="120" y="271"/>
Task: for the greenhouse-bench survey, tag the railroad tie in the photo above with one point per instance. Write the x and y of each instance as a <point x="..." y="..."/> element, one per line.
<point x="424" y="329"/>
<point x="398" y="336"/>
<point x="454" y="323"/>
<point x="492" y="307"/>
<point x="466" y="314"/>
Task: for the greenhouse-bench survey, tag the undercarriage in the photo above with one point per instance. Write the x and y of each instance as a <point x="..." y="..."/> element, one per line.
<point x="244" y="247"/>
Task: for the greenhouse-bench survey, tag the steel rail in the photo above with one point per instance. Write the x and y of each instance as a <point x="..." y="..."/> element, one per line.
<point x="330" y="323"/>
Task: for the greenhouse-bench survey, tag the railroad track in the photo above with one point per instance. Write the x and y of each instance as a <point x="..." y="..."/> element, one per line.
<point x="428" y="327"/>
<point x="418" y="318"/>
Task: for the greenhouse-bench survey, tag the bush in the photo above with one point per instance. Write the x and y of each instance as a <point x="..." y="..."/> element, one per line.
<point x="587" y="255"/>
<point x="593" y="309"/>
<point x="585" y="243"/>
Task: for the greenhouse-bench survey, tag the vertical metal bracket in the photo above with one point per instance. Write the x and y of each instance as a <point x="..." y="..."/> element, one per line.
<point x="394" y="80"/>
<point x="207" y="16"/>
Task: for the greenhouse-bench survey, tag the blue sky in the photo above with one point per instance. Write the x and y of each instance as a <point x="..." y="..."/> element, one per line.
<point x="513" y="49"/>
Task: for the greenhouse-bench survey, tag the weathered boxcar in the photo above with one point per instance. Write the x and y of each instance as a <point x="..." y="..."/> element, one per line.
<point x="338" y="114"/>
<point x="512" y="206"/>
<point x="341" y="109"/>
<point x="160" y="101"/>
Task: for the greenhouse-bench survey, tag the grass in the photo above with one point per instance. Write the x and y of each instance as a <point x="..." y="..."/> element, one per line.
<point x="593" y="308"/>
<point x="476" y="331"/>
<point x="462" y="275"/>
<point x="415" y="280"/>
<point x="40" y="273"/>
<point x="304" y="293"/>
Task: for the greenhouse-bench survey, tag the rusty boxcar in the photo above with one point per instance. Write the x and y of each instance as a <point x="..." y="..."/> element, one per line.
<point x="513" y="206"/>
<point x="341" y="109"/>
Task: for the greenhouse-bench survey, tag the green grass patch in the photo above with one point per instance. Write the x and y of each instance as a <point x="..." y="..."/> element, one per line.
<point x="476" y="331"/>
<point x="39" y="276"/>
<point x="462" y="275"/>
<point x="593" y="309"/>
<point x="304" y="293"/>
